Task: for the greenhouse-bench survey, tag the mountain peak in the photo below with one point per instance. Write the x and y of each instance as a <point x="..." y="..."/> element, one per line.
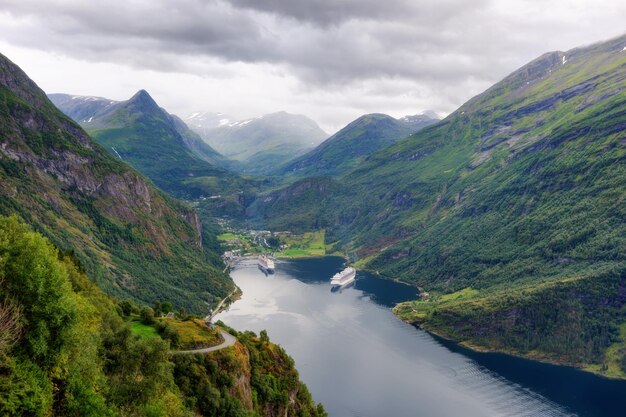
<point x="371" y="118"/>
<point x="431" y="113"/>
<point x="143" y="100"/>
<point x="142" y="93"/>
<point x="16" y="80"/>
<point x="350" y="146"/>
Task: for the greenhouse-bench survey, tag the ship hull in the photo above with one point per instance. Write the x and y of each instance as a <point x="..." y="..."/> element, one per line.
<point x="343" y="278"/>
<point x="266" y="264"/>
<point x="338" y="286"/>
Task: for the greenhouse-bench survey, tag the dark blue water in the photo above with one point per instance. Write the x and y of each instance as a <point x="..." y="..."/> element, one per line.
<point x="359" y="360"/>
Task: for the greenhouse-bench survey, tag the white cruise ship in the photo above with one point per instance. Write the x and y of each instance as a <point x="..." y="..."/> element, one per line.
<point x="266" y="264"/>
<point x="344" y="277"/>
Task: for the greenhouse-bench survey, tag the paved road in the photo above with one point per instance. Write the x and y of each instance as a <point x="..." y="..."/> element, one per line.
<point x="209" y="318"/>
<point x="229" y="340"/>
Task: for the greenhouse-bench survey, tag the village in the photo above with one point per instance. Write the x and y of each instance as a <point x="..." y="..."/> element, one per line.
<point x="239" y="243"/>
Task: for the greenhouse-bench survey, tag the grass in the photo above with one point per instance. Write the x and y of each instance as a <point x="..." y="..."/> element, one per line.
<point x="227" y="236"/>
<point x="143" y="330"/>
<point x="463" y="294"/>
<point x="309" y="244"/>
<point x="194" y="334"/>
<point x="419" y="310"/>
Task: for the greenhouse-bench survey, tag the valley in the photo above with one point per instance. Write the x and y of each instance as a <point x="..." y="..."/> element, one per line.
<point x="103" y="276"/>
<point x="517" y="195"/>
<point x="513" y="201"/>
<point x="282" y="244"/>
<point x="153" y="265"/>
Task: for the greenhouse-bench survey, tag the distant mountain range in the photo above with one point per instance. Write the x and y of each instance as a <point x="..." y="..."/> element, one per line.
<point x="158" y="144"/>
<point x="131" y="238"/>
<point x="353" y="144"/>
<point x="202" y="122"/>
<point x="81" y="108"/>
<point x="262" y="143"/>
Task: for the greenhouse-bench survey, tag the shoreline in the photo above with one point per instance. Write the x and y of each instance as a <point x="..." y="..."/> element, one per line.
<point x="462" y="344"/>
<point x="484" y="350"/>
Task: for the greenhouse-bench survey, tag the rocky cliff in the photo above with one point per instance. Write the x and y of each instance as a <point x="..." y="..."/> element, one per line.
<point x="135" y="241"/>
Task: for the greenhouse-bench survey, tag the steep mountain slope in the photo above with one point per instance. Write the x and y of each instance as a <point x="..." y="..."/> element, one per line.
<point x="66" y="349"/>
<point x="510" y="212"/>
<point x="349" y="147"/>
<point x="300" y="206"/>
<point x="268" y="141"/>
<point x="158" y="144"/>
<point x="133" y="240"/>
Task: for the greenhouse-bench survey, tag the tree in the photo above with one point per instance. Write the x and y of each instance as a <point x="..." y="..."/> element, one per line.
<point x="147" y="316"/>
<point x="182" y="314"/>
<point x="157" y="309"/>
<point x="10" y="326"/>
<point x="171" y="334"/>
<point x="37" y="281"/>
<point x="127" y="307"/>
<point x="166" y="307"/>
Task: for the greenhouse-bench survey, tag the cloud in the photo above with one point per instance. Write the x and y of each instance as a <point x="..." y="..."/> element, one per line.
<point x="324" y="12"/>
<point x="366" y="51"/>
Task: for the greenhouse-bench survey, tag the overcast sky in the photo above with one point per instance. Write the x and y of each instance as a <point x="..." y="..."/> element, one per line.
<point x="332" y="60"/>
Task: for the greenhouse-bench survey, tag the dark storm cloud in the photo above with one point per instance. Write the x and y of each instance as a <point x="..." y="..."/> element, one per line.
<point x="368" y="39"/>
<point x="325" y="12"/>
<point x="329" y="12"/>
<point x="435" y="44"/>
<point x="212" y="28"/>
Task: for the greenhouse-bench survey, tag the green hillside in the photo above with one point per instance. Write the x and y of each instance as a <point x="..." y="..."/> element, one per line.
<point x="131" y="239"/>
<point x="352" y="145"/>
<point x="519" y="194"/>
<point x="67" y="349"/>
<point x="157" y="144"/>
<point x="298" y="207"/>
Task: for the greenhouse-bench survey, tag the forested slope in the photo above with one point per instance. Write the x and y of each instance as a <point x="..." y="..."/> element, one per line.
<point x="131" y="238"/>
<point x="68" y="349"/>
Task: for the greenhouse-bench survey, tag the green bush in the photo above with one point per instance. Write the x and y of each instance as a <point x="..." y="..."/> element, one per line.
<point x="147" y="316"/>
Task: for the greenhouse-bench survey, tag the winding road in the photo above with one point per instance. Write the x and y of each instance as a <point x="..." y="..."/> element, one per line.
<point x="219" y="306"/>
<point x="229" y="340"/>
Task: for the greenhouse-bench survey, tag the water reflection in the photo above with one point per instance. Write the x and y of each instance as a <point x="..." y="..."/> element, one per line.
<point x="359" y="360"/>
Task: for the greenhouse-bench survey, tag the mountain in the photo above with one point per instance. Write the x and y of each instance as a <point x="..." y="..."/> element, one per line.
<point x="81" y="108"/>
<point x="203" y="121"/>
<point x="133" y="240"/>
<point x="353" y="144"/>
<point x="156" y="143"/>
<point x="265" y="142"/>
<point x="304" y="205"/>
<point x="509" y="213"/>
<point x="69" y="350"/>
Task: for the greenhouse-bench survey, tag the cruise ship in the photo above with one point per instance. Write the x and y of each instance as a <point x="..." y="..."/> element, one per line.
<point x="266" y="264"/>
<point x="343" y="278"/>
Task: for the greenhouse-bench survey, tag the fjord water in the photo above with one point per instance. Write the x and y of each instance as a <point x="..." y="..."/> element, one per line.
<point x="359" y="360"/>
